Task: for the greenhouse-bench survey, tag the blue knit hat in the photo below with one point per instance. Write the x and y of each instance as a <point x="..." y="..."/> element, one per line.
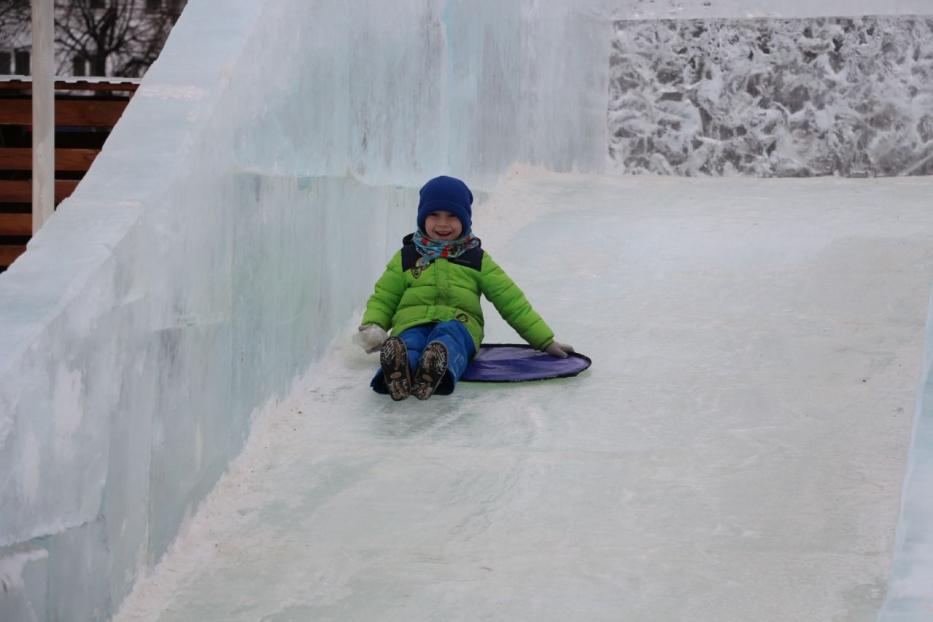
<point x="446" y="194"/>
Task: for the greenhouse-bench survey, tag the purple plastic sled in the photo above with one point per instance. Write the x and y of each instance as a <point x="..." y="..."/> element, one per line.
<point x="505" y="362"/>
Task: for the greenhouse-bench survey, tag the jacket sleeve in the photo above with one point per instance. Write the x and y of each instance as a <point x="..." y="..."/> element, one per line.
<point x="381" y="306"/>
<point x="512" y="305"/>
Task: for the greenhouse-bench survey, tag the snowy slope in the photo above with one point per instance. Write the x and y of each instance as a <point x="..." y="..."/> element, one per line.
<point x="735" y="453"/>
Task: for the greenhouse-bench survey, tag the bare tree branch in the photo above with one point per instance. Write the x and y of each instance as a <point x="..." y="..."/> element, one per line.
<point x="116" y="37"/>
<point x="14" y="18"/>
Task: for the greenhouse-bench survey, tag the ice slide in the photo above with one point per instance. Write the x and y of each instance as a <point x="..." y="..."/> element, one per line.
<point x="736" y="453"/>
<point x="186" y="432"/>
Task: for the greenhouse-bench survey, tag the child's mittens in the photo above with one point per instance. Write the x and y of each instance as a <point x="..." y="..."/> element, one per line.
<point x="370" y="337"/>
<point x="560" y="350"/>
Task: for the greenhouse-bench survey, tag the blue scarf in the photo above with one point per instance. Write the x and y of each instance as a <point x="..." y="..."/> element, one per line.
<point x="441" y="249"/>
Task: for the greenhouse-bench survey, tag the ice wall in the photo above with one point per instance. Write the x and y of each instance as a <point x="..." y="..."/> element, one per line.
<point x="910" y="587"/>
<point x="235" y="220"/>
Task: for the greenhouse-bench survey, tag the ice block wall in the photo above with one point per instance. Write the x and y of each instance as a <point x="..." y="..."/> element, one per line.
<point x="910" y="587"/>
<point x="232" y="225"/>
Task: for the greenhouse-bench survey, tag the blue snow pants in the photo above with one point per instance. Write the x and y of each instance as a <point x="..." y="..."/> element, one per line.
<point x="460" y="349"/>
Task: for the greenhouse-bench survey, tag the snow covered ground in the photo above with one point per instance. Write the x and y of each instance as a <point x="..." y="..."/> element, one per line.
<point x="735" y="453"/>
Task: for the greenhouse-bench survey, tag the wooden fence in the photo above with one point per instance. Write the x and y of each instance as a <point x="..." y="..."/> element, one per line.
<point x="85" y="112"/>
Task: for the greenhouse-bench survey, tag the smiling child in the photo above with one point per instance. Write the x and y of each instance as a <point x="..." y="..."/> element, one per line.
<point x="429" y="297"/>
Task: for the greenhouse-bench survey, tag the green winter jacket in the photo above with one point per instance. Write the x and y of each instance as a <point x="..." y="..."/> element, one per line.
<point x="449" y="289"/>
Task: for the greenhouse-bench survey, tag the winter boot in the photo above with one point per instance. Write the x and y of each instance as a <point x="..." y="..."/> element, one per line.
<point x="431" y="370"/>
<point x="394" y="360"/>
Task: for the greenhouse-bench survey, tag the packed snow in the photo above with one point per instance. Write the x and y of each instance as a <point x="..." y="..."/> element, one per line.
<point x="735" y="453"/>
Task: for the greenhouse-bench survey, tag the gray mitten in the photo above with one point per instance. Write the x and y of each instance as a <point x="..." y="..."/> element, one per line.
<point x="370" y="337"/>
<point x="560" y="350"/>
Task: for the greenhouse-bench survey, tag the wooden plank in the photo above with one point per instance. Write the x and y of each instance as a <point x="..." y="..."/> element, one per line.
<point x="16" y="159"/>
<point x="15" y="224"/>
<point x="73" y="112"/>
<point x="9" y="253"/>
<point x="20" y="159"/>
<point x="21" y="191"/>
<point x="74" y="159"/>
<point x="16" y="112"/>
<point x="96" y="86"/>
<point x="15" y="191"/>
<point x="64" y="188"/>
<point x="99" y="84"/>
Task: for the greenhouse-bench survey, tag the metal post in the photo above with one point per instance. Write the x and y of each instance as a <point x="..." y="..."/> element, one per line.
<point x="43" y="112"/>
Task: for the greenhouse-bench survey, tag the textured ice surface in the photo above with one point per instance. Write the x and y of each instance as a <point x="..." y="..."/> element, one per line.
<point x="910" y="589"/>
<point x="734" y="454"/>
<point x="692" y="9"/>
<point x="773" y="97"/>
<point x="237" y="217"/>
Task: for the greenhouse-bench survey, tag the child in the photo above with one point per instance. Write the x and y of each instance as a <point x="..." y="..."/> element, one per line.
<point x="429" y="297"/>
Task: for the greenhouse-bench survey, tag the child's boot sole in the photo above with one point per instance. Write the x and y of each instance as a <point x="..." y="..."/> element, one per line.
<point x="431" y="370"/>
<point x="394" y="360"/>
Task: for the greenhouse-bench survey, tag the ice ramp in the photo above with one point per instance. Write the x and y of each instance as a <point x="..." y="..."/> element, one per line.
<point x="735" y="453"/>
<point x="212" y="256"/>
